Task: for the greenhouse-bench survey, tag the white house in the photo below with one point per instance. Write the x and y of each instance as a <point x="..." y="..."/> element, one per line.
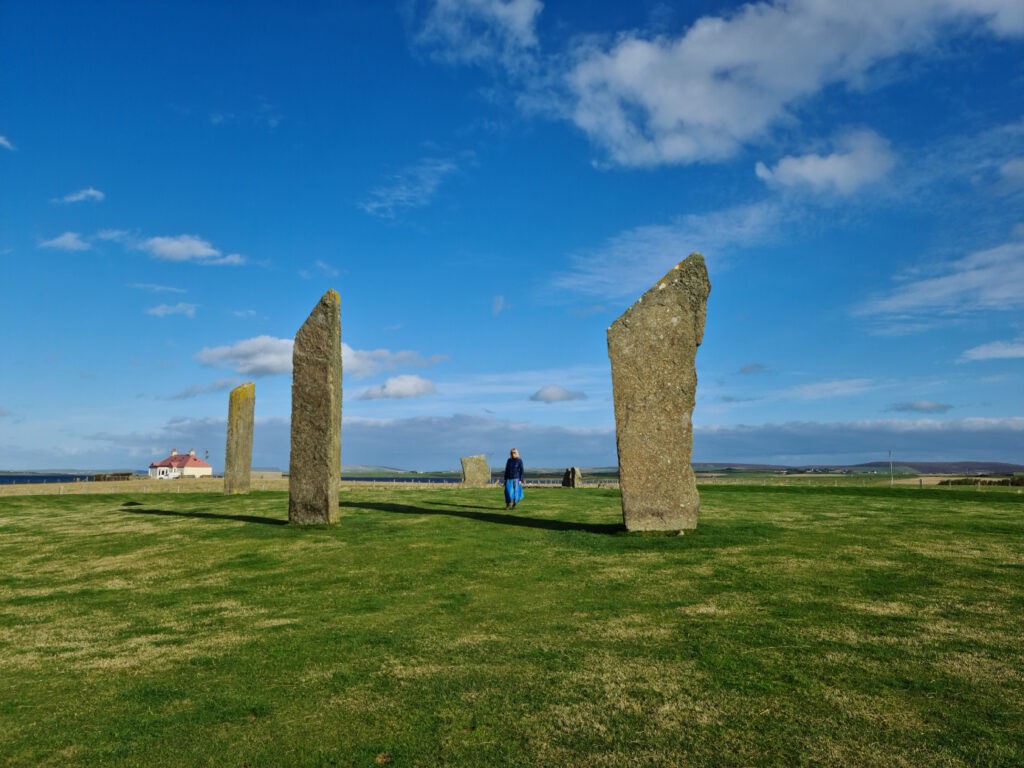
<point x="180" y="465"/>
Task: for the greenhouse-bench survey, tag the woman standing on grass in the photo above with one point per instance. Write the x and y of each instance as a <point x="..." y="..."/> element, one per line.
<point x="513" y="480"/>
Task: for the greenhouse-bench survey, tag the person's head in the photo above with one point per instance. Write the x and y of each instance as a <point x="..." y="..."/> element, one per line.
<point x="514" y="453"/>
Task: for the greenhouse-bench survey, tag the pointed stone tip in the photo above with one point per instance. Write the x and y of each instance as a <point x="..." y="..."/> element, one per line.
<point x="693" y="258"/>
<point x="331" y="297"/>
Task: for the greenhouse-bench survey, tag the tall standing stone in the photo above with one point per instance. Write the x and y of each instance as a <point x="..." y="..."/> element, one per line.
<point x="652" y="347"/>
<point x="315" y="464"/>
<point x="238" y="454"/>
<point x="475" y="470"/>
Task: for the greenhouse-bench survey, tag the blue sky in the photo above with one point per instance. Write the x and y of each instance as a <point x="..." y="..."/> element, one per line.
<point x="488" y="184"/>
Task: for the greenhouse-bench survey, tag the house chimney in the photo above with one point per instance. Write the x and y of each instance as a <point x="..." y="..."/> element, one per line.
<point x="192" y="452"/>
<point x="174" y="451"/>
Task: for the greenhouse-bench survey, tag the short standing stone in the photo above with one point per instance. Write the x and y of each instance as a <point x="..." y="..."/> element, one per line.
<point x="238" y="454"/>
<point x="652" y="347"/>
<point x="475" y="470"/>
<point x="572" y="478"/>
<point x="315" y="462"/>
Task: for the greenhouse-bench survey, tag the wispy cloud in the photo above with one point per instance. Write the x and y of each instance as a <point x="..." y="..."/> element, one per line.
<point x="481" y="32"/>
<point x="88" y="194"/>
<point x="188" y="248"/>
<point x="552" y="393"/>
<point x="995" y="350"/>
<point x="919" y="406"/>
<point x="196" y="390"/>
<point x="702" y="95"/>
<point x="851" y="442"/>
<point x="154" y="288"/>
<point x="497" y="305"/>
<point x="832" y="388"/>
<point x="69" y="241"/>
<point x="366" y="362"/>
<point x="412" y="187"/>
<point x="6" y="144"/>
<point x="753" y="368"/>
<point x="987" y="280"/>
<point x="860" y="158"/>
<point x="396" y="387"/>
<point x="321" y="268"/>
<point x="181" y="308"/>
<point x="629" y="263"/>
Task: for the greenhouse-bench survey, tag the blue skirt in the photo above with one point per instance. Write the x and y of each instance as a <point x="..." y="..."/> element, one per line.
<point x="513" y="491"/>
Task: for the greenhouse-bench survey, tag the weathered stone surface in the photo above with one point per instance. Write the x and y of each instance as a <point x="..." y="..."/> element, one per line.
<point x="315" y="462"/>
<point x="572" y="478"/>
<point x="475" y="470"/>
<point x="652" y="347"/>
<point x="238" y="454"/>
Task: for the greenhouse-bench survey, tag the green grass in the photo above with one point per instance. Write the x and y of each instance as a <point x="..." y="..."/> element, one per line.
<point x="796" y="626"/>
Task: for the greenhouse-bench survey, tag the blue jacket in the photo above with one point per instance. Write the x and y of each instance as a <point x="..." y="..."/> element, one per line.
<point x="513" y="470"/>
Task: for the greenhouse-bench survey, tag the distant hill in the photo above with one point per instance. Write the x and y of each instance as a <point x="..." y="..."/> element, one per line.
<point x="901" y="467"/>
<point x="951" y="467"/>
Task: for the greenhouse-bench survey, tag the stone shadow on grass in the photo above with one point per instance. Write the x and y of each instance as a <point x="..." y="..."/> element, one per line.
<point x="202" y="515"/>
<point x="607" y="529"/>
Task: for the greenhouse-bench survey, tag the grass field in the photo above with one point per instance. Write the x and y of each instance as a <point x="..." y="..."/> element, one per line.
<point x="799" y="625"/>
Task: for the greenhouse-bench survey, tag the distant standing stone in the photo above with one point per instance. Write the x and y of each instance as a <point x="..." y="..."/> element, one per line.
<point x="572" y="478"/>
<point x="475" y="470"/>
<point x="315" y="462"/>
<point x="238" y="454"/>
<point x="652" y="347"/>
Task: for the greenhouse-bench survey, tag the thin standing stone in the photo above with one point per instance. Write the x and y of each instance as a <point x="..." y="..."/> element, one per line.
<point x="238" y="453"/>
<point x="652" y="347"/>
<point x="315" y="463"/>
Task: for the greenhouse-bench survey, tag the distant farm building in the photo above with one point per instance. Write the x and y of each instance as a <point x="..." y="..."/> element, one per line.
<point x="180" y="465"/>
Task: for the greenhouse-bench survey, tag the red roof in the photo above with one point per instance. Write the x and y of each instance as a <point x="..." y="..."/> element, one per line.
<point x="180" y="461"/>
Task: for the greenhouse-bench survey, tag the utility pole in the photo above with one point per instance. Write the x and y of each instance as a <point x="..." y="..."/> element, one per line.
<point x="890" y="469"/>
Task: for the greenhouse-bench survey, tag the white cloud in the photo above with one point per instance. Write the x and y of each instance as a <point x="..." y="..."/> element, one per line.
<point x="632" y="261"/>
<point x="69" y="241"/>
<point x="497" y="305"/>
<point x="6" y="143"/>
<point x="396" y="387"/>
<point x="116" y="235"/>
<point x="267" y="355"/>
<point x="861" y="158"/>
<point x="259" y="356"/>
<point x="985" y="280"/>
<point x="181" y="308"/>
<point x="995" y="350"/>
<point x="729" y="80"/>
<point x="413" y="187"/>
<point x="482" y="31"/>
<point x="366" y="362"/>
<point x="89" y="193"/>
<point x="188" y="248"/>
<point x="553" y="393"/>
